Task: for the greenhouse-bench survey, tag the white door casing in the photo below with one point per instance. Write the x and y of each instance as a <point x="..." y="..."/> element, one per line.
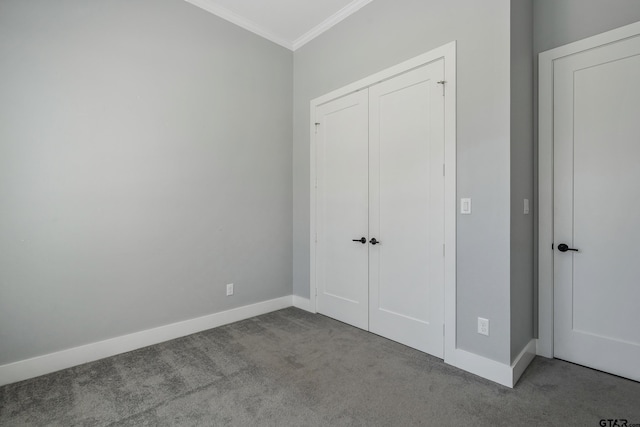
<point x="342" y="208"/>
<point x="406" y="187"/>
<point x="589" y="140"/>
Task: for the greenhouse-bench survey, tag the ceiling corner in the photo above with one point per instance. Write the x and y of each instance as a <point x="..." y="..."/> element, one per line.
<point x="325" y="25"/>
<point x="273" y="31"/>
<point x="212" y="7"/>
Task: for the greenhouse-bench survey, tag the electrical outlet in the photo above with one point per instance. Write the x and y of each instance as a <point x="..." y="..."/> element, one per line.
<point x="230" y="289"/>
<point x="483" y="326"/>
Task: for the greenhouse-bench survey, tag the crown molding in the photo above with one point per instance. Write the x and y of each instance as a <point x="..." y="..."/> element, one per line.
<point x="224" y="13"/>
<point x="334" y="19"/>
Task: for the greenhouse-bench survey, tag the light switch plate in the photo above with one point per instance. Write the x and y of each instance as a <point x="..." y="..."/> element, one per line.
<point x="526" y="206"/>
<point x="465" y="206"/>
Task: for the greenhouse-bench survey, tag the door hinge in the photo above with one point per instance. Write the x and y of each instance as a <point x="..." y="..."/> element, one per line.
<point x="316" y="291"/>
<point x="443" y="249"/>
<point x="443" y="326"/>
<point x="442" y="82"/>
<point x="317" y="124"/>
<point x="444" y="171"/>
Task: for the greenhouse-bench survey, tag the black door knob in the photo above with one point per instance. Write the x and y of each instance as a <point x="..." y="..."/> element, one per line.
<point x="362" y="240"/>
<point x="563" y="247"/>
<point x="374" y="241"/>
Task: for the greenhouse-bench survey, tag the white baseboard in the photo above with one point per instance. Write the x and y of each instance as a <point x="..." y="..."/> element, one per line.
<point x="303" y="304"/>
<point x="29" y="368"/>
<point x="490" y="369"/>
<point x="482" y="366"/>
<point x="41" y="365"/>
<point x="523" y="360"/>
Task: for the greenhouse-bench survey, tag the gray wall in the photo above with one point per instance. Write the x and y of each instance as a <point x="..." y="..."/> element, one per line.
<point x="558" y="22"/>
<point x="145" y="158"/>
<point x="145" y="162"/>
<point x="522" y="303"/>
<point x="380" y="35"/>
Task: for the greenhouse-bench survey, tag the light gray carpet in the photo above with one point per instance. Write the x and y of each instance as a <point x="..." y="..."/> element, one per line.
<point x="294" y="368"/>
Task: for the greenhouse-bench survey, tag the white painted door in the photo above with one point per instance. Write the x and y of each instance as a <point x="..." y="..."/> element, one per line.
<point x="596" y="208"/>
<point x="406" y="208"/>
<point x="342" y="209"/>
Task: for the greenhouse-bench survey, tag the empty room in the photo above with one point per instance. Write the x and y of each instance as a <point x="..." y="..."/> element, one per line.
<point x="315" y="213"/>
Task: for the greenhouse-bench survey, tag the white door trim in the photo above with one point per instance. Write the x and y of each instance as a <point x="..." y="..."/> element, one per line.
<point x="545" y="173"/>
<point x="448" y="53"/>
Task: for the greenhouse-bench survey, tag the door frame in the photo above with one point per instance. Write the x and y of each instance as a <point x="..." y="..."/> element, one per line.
<point x="546" y="61"/>
<point x="448" y="54"/>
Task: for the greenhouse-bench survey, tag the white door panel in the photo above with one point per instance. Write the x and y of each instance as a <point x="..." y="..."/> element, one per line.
<point x="406" y="116"/>
<point x="342" y="209"/>
<point x="596" y="200"/>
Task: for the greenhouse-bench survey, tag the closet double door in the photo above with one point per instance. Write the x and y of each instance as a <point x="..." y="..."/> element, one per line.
<point x="380" y="208"/>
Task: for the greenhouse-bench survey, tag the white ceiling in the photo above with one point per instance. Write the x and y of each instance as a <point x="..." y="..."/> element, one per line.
<point x="289" y="23"/>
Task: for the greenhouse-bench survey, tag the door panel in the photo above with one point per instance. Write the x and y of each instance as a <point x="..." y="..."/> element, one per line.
<point x="342" y="209"/>
<point x="406" y="116"/>
<point x="596" y="200"/>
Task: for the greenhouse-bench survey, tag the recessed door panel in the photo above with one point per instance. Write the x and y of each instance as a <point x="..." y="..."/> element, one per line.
<point x="342" y="209"/>
<point x="596" y="200"/>
<point x="406" y="116"/>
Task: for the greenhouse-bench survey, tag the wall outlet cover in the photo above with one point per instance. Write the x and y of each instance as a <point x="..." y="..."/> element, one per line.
<point x="230" y="289"/>
<point x="483" y="326"/>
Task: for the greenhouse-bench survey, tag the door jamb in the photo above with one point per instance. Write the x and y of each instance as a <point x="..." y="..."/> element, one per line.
<point x="448" y="54"/>
<point x="546" y="62"/>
